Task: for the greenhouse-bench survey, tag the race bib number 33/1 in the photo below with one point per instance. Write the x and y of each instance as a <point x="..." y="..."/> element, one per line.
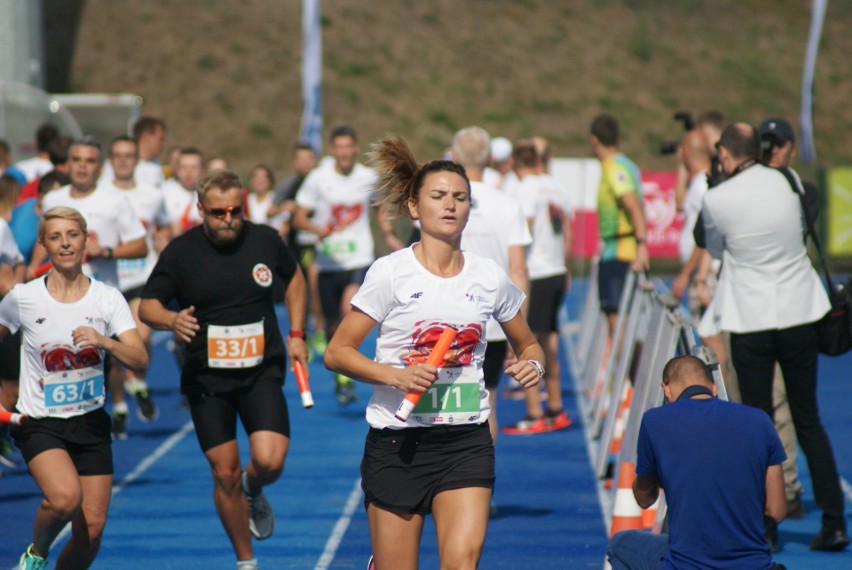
<point x="237" y="346"/>
<point x="73" y="390"/>
<point x="453" y="398"/>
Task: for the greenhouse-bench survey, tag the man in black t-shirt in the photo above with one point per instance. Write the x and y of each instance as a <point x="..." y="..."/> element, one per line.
<point x="221" y="274"/>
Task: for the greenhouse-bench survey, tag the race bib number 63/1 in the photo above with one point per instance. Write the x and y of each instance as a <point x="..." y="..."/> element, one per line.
<point x="73" y="390"/>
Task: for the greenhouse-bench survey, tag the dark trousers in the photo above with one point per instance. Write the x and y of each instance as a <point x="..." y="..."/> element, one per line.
<point x="795" y="349"/>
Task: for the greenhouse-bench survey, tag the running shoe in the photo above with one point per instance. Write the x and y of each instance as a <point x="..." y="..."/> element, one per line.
<point x="261" y="517"/>
<point x="344" y="390"/>
<point x="318" y="342"/>
<point x="557" y="420"/>
<point x="527" y="426"/>
<point x="119" y="425"/>
<point x="8" y="455"/>
<point x="146" y="409"/>
<point x="30" y="561"/>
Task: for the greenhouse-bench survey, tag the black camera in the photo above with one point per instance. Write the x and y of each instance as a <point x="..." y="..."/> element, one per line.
<point x="767" y="143"/>
<point x="670" y="147"/>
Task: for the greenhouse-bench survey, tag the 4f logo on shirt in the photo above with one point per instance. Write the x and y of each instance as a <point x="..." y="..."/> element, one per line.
<point x="416" y="295"/>
<point x="262" y="275"/>
<point x="41" y="320"/>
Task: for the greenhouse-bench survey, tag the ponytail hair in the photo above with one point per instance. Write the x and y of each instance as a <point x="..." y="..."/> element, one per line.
<point x="400" y="177"/>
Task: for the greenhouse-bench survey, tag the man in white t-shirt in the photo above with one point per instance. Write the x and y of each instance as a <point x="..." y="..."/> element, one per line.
<point x="179" y="192"/>
<point x="147" y="201"/>
<point x="334" y="203"/>
<point x="115" y="231"/>
<point x="496" y="229"/>
<point x="548" y="213"/>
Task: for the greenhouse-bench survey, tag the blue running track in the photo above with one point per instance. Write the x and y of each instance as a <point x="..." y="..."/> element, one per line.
<point x="548" y="510"/>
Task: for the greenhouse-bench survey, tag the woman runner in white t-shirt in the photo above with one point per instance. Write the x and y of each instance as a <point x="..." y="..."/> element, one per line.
<point x="441" y="460"/>
<point x="69" y="323"/>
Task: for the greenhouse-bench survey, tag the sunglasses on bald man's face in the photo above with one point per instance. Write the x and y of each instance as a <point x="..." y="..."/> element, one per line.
<point x="222" y="213"/>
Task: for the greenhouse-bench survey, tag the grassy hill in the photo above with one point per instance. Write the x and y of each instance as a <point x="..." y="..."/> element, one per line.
<point x="226" y="74"/>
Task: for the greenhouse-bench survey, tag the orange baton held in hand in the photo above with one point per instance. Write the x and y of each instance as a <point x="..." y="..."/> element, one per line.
<point x="304" y="387"/>
<point x="436" y="357"/>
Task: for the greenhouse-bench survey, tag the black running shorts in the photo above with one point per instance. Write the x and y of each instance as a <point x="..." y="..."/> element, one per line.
<point x="260" y="406"/>
<point x="545" y="299"/>
<point x="87" y="439"/>
<point x="331" y="285"/>
<point x="403" y="470"/>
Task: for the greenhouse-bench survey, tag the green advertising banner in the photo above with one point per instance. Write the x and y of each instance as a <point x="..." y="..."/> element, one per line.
<point x="839" y="210"/>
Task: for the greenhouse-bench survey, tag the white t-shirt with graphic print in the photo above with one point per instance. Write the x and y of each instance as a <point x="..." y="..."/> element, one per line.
<point x="412" y="306"/>
<point x="342" y="203"/>
<point x="59" y="379"/>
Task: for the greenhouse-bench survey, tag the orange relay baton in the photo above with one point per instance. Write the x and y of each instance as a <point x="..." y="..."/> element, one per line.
<point x="435" y="358"/>
<point x="304" y="387"/>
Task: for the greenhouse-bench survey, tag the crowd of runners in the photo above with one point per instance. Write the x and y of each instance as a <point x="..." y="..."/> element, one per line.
<point x="104" y="244"/>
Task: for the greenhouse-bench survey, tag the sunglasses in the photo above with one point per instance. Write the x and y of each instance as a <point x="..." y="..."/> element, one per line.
<point x="221" y="213"/>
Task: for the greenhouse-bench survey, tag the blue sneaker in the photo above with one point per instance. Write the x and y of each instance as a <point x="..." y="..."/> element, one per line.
<point x="261" y="517"/>
<point x="30" y="561"/>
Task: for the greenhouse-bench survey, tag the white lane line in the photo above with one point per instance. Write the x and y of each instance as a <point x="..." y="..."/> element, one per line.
<point x="143" y="466"/>
<point x="340" y="527"/>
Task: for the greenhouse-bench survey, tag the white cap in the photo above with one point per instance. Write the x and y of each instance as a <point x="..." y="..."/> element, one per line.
<point x="501" y="149"/>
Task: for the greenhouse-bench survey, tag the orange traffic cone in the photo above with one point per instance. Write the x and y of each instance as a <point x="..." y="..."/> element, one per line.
<point x="626" y="513"/>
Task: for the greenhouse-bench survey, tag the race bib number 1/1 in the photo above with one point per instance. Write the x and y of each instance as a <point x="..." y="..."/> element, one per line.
<point x="237" y="346"/>
<point x="453" y="398"/>
<point x="73" y="390"/>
